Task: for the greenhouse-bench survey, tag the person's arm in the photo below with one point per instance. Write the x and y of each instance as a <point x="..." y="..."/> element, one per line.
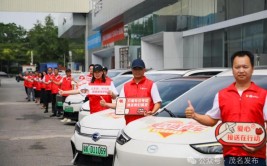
<point x="156" y="100"/>
<point x="46" y="82"/>
<point x="103" y="103"/>
<point x="57" y="83"/>
<point x="69" y="92"/>
<point x="113" y="91"/>
<point x="155" y="109"/>
<point x="202" y="119"/>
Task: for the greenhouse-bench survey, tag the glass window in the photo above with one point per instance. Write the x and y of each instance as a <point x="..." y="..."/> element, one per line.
<point x="202" y="95"/>
<point x="171" y="89"/>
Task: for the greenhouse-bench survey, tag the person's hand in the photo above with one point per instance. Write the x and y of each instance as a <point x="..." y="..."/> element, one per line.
<point x="147" y="113"/>
<point x="190" y="111"/>
<point x="102" y="102"/>
<point x="110" y="92"/>
<point x="60" y="92"/>
<point x="251" y="149"/>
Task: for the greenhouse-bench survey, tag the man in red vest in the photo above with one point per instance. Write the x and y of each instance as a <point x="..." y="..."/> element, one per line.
<point x="66" y="85"/>
<point x="55" y="88"/>
<point x="47" y="81"/>
<point x="139" y="87"/>
<point x="234" y="104"/>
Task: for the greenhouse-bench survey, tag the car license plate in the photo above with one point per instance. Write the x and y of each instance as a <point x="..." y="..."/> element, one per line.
<point x="59" y="103"/>
<point x="95" y="150"/>
<point x="68" y="109"/>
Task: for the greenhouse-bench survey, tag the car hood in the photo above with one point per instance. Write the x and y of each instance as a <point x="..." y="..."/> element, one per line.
<point x="170" y="130"/>
<point x="106" y="119"/>
<point x="74" y="98"/>
<point x="86" y="106"/>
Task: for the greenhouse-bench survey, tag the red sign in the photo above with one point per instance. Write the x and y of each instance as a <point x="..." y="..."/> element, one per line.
<point x="132" y="106"/>
<point x="237" y="134"/>
<point x="113" y="34"/>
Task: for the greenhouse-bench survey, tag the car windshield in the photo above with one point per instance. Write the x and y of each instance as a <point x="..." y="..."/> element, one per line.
<point x="120" y="80"/>
<point x="171" y="89"/>
<point x="202" y="95"/>
<point x="157" y="77"/>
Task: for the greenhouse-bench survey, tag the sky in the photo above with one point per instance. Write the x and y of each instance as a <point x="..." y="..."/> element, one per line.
<point x="26" y="19"/>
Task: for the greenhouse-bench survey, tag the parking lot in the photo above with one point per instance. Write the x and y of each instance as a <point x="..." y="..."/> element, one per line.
<point x="28" y="137"/>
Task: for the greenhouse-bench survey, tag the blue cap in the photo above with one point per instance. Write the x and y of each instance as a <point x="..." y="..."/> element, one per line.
<point x="138" y="63"/>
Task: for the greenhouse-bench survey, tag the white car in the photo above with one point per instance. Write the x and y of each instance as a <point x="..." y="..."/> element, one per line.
<point x="169" y="138"/>
<point x="118" y="72"/>
<point x="99" y="130"/>
<point x="72" y="105"/>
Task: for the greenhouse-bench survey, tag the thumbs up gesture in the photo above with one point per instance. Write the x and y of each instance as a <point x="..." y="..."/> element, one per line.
<point x="102" y="102"/>
<point x="190" y="111"/>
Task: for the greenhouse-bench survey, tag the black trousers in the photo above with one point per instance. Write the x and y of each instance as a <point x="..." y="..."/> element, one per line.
<point x="48" y="98"/>
<point x="54" y="109"/>
<point x="42" y="95"/>
<point x="60" y="109"/>
<point x="26" y="90"/>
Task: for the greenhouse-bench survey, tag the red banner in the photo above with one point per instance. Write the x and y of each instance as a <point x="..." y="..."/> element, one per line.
<point x="132" y="106"/>
<point x="113" y="34"/>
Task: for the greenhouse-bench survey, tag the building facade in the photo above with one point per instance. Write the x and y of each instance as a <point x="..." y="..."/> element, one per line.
<point x="175" y="33"/>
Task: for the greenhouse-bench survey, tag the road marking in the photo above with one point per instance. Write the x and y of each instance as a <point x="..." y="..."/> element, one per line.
<point x="34" y="137"/>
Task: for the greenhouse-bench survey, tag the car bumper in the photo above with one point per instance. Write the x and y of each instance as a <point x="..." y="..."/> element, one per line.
<point x="108" y="141"/>
<point x="135" y="153"/>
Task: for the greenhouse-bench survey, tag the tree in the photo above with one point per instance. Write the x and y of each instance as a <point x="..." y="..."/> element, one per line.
<point x="13" y="45"/>
<point x="44" y="42"/>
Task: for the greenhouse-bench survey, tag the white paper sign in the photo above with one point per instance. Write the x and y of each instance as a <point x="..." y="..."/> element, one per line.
<point x="98" y="90"/>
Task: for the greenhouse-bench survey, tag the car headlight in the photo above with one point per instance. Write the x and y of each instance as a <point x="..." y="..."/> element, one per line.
<point x="77" y="128"/>
<point x="122" y="138"/>
<point x="208" y="148"/>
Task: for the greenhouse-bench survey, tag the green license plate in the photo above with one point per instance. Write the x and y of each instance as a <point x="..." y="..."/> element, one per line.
<point x="68" y="109"/>
<point x="60" y="103"/>
<point x="95" y="150"/>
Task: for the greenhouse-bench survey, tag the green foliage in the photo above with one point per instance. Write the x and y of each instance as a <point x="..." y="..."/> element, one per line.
<point x="44" y="41"/>
<point x="16" y="45"/>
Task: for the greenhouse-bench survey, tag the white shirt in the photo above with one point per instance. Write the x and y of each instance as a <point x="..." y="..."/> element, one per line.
<point x="215" y="111"/>
<point x="154" y="93"/>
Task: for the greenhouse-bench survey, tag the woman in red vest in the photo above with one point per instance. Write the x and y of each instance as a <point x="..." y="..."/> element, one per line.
<point x="94" y="94"/>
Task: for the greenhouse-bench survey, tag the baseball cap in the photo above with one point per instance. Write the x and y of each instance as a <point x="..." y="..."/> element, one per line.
<point x="105" y="68"/>
<point x="138" y="63"/>
<point x="97" y="67"/>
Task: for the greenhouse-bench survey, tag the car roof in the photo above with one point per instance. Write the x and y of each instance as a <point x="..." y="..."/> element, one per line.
<point x="181" y="72"/>
<point x="189" y="78"/>
<point x="205" y="71"/>
<point x="259" y="70"/>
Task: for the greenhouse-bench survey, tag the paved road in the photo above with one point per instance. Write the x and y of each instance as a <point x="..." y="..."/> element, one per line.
<point x="28" y="137"/>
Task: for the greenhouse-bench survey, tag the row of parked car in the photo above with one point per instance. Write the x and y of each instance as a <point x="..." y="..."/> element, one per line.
<point x="166" y="137"/>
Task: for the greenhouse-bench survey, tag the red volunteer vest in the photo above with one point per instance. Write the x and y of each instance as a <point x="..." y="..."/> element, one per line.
<point x="47" y="79"/>
<point x="94" y="100"/>
<point x="26" y="83"/>
<point x="55" y="86"/>
<point x="38" y="83"/>
<point x="142" y="89"/>
<point x="245" y="108"/>
<point x="30" y="82"/>
<point x="66" y="84"/>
